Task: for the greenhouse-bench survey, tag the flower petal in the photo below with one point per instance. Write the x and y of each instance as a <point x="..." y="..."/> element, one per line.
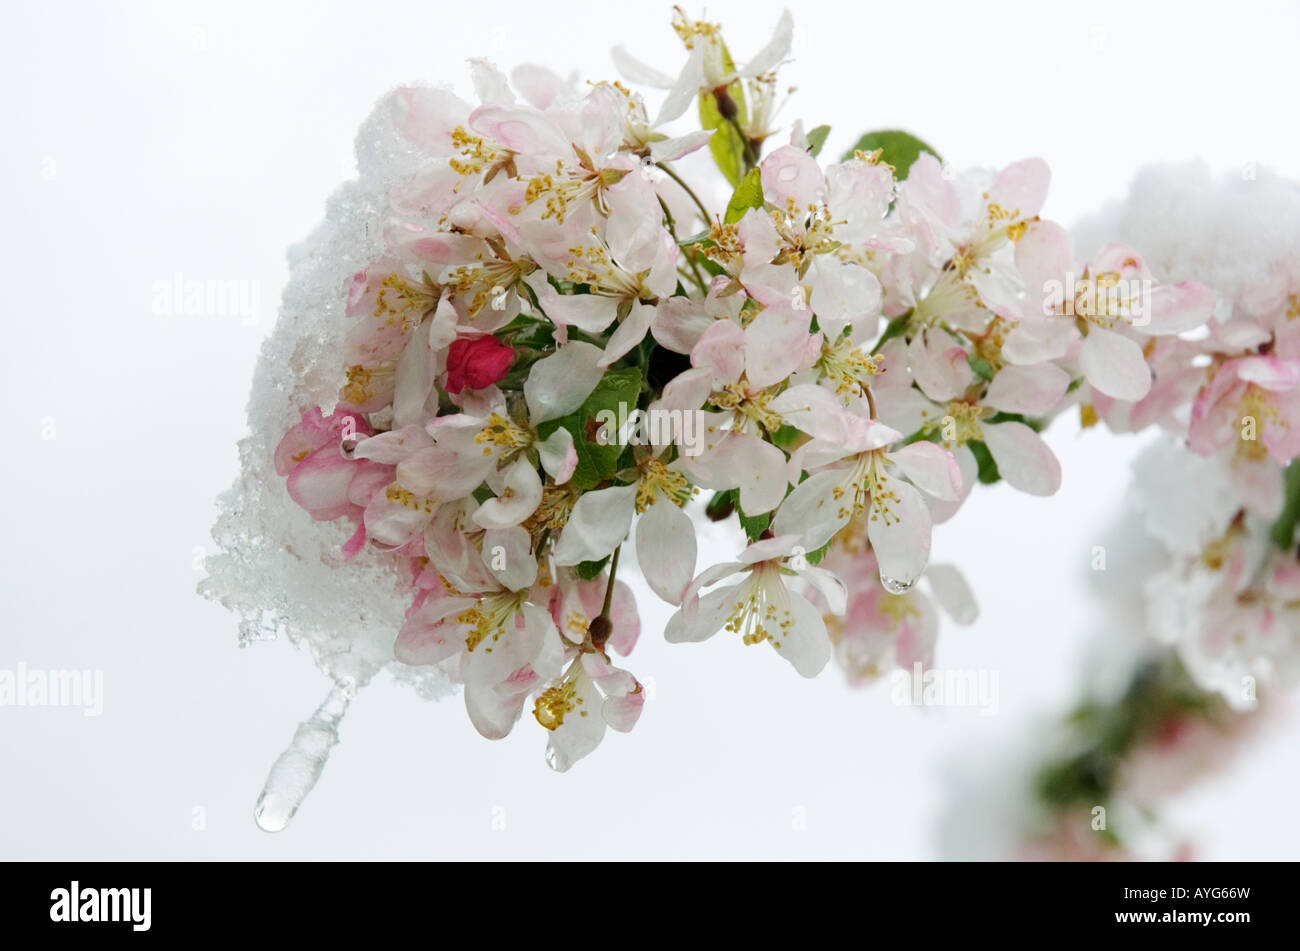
<point x="931" y="468"/>
<point x="430" y="633"/>
<point x="814" y="511"/>
<point x="900" y="534"/>
<point x="582" y="728"/>
<point x="558" y="384"/>
<point x="629" y="333"/>
<point x="518" y="498"/>
<point x="1032" y="390"/>
<point x="666" y="550"/>
<point x="710" y="614"/>
<point x="598" y="524"/>
<point x="1176" y="308"/>
<point x="792" y="180"/>
<point x="1114" y="365"/>
<point x="803" y="642"/>
<point x="953" y="593"/>
<point x="503" y="652"/>
<point x="558" y="455"/>
<point x="494" y="709"/>
<point x="508" y="553"/>
<point x="1023" y="459"/>
<point x="1036" y="341"/>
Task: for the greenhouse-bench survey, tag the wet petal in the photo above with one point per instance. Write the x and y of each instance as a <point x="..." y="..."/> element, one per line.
<point x="518" y="499"/>
<point x="899" y="530"/>
<point x="931" y="468"/>
<point x="1114" y="365"/>
<point x="666" y="550"/>
<point x="1032" y="390"/>
<point x="560" y="383"/>
<point x="1023" y="459"/>
<point x="598" y="524"/>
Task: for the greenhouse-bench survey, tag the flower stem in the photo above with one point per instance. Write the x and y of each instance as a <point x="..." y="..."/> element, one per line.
<point x="751" y="154"/>
<point x="601" y="627"/>
<point x="609" y="586"/>
<point x="672" y="229"/>
<point x="704" y="212"/>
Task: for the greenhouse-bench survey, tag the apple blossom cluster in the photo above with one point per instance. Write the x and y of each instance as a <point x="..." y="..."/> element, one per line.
<point x="1221" y="490"/>
<point x="560" y="345"/>
<point x="1220" y="497"/>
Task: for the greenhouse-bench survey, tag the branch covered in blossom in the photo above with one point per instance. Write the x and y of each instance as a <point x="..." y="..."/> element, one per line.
<point x="562" y="344"/>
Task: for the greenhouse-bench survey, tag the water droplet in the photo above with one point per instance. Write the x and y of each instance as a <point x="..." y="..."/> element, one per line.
<point x="894" y="586"/>
<point x="273" y="812"/>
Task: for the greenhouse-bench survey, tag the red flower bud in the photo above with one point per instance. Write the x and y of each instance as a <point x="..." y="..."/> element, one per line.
<point x="476" y="362"/>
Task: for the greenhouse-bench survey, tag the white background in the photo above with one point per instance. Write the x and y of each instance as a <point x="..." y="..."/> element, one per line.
<point x="143" y="141"/>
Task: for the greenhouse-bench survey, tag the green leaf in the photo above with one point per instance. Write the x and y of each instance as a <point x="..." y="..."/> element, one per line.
<point x="988" y="468"/>
<point x="713" y="267"/>
<point x="727" y="501"/>
<point x="786" y="437"/>
<point x="980" y="366"/>
<point x="924" y="434"/>
<point x="754" y="525"/>
<point x="748" y="194"/>
<point x="815" y="557"/>
<point x="894" y="328"/>
<point x="590" y="569"/>
<point x="726" y="145"/>
<point x="702" y="238"/>
<point x="899" y="149"/>
<point x="521" y="322"/>
<point x="817" y="138"/>
<point x="1035" y="424"/>
<point x="596" y="463"/>
<point x="1284" y="527"/>
<point x="721" y="505"/>
<point x="537" y="337"/>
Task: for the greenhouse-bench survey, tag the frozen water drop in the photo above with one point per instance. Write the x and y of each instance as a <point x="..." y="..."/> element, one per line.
<point x="295" y="772"/>
<point x="273" y="811"/>
<point x="894" y="586"/>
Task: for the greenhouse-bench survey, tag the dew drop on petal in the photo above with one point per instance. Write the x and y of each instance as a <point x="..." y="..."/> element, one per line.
<point x="894" y="586"/>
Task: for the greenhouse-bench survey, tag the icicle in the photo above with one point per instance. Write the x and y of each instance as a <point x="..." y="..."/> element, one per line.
<point x="296" y="770"/>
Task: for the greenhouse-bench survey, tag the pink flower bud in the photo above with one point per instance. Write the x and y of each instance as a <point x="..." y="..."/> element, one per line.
<point x="476" y="362"/>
